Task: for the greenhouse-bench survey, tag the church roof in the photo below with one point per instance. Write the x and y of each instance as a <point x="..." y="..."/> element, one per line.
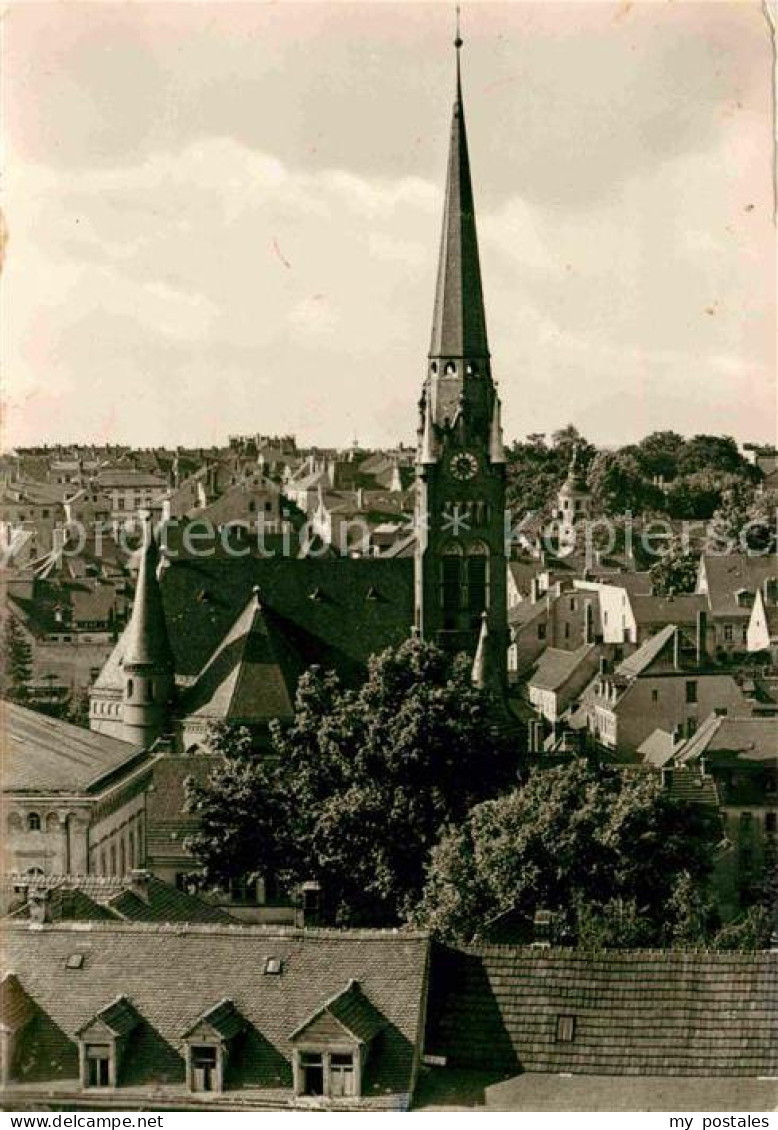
<point x="332" y="611"/>
<point x="146" y="639"/>
<point x="245" y="678"/>
<point x="459" y="322"/>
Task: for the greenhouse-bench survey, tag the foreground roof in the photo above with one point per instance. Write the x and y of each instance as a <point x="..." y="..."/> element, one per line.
<point x="46" y="755"/>
<point x="174" y="976"/>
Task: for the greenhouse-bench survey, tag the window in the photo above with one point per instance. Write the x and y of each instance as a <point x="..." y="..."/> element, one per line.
<point x="341" y="1075"/>
<point x="122" y="858"/>
<point x="33" y="822"/>
<point x="98" y="1065"/>
<point x="113" y="859"/>
<point x="691" y="727"/>
<point x="450" y="583"/>
<point x="131" y="841"/>
<point x="477" y="579"/>
<point x="770" y="823"/>
<point x="691" y="691"/>
<point x="312" y="1073"/>
<point x="274" y="965"/>
<point x="204" y="1068"/>
<point x="565" y="1029"/>
<point x="567" y="631"/>
<point x="541" y="631"/>
<point x="572" y="605"/>
<point x="728" y="633"/>
<point x="655" y="696"/>
<point x="74" y="961"/>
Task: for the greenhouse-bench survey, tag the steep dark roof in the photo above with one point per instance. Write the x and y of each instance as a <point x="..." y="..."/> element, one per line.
<point x="319" y="607"/>
<point x="145" y="638"/>
<point x="43" y="754"/>
<point x="250" y="677"/>
<point x="555" y="666"/>
<point x="645" y="655"/>
<point x="98" y="898"/>
<point x="459" y="321"/>
<point x="634" y="1012"/>
<point x="174" y="976"/>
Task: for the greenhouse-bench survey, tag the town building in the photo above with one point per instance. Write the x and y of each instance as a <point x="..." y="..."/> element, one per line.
<point x="73" y="800"/>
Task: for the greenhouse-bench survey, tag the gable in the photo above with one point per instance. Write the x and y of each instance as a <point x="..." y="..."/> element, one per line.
<point x="323" y="1030"/>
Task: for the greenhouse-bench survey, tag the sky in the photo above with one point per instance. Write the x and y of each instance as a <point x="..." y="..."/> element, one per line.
<point x="224" y="217"/>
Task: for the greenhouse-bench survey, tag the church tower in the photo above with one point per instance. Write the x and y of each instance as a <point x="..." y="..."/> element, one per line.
<point x="147" y="663"/>
<point x="460" y="462"/>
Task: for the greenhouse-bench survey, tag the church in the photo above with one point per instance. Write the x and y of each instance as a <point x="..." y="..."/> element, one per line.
<point x="220" y="638"/>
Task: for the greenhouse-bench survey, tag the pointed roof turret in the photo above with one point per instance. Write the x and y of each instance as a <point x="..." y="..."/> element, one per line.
<point x="459" y="321"/>
<point x="480" y="672"/>
<point x="496" y="446"/>
<point x="429" y="447"/>
<point x="147" y="639"/>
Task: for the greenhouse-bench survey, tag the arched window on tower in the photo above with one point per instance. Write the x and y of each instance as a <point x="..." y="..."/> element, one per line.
<point x="477" y="580"/>
<point x="129" y="688"/>
<point x="451" y="562"/>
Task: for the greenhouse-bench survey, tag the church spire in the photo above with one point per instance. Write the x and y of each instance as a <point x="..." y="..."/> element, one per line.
<point x="148" y="660"/>
<point x="459" y="321"/>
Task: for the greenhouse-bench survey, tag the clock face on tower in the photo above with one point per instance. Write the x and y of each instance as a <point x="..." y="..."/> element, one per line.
<point x="464" y="465"/>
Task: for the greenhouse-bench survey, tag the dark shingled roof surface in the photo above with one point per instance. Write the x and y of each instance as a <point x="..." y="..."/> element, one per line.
<point x="320" y="608"/>
<point x="635" y="1012"/>
<point x="174" y="975"/>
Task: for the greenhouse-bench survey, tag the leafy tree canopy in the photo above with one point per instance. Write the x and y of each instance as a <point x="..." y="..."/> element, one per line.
<point x="360" y="784"/>
<point x="608" y="850"/>
<point x="675" y="571"/>
<point x="16" y="660"/>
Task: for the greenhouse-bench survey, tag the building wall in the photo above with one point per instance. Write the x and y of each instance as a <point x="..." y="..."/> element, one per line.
<point x="56" y="847"/>
<point x="117" y="837"/>
<point x="616" y="619"/>
<point x="660" y="702"/>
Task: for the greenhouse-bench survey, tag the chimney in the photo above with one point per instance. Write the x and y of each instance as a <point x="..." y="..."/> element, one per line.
<point x="702" y="637"/>
<point x="588" y="622"/>
<point x="139" y="883"/>
<point x="39" y="905"/>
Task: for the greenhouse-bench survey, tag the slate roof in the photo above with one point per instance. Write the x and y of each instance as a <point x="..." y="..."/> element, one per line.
<point x="635" y="1012"/>
<point x="251" y="676"/>
<point x="175" y="975"/>
<point x="667" y="610"/>
<point x="748" y="739"/>
<point x="555" y="667"/>
<point x="688" y="784"/>
<point x="728" y="573"/>
<point x="320" y="607"/>
<point x="353" y="1010"/>
<point x="46" y="755"/>
<point x="645" y="655"/>
<point x="97" y="898"/>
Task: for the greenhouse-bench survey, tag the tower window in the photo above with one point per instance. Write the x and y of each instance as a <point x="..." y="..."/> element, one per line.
<point x="450" y="369"/>
<point x="477" y="579"/>
<point x="451" y="583"/>
<point x="33" y="822"/>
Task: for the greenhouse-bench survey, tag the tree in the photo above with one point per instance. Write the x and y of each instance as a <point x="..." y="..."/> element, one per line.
<point x="17" y="660"/>
<point x="712" y="453"/>
<point x="593" y="845"/>
<point x="360" y="785"/>
<point x="675" y="571"/>
<point x="617" y="484"/>
<point x="659" y="454"/>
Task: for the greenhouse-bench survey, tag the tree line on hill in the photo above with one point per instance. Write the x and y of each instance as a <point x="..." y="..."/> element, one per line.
<point x="665" y="474"/>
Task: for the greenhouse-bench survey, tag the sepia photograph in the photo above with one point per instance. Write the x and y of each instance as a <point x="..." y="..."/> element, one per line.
<point x="389" y="561"/>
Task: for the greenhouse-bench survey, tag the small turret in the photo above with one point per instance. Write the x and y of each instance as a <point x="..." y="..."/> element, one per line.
<point x="147" y="663"/>
<point x="496" y="446"/>
<point x="480" y="672"/>
<point x="428" y="454"/>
